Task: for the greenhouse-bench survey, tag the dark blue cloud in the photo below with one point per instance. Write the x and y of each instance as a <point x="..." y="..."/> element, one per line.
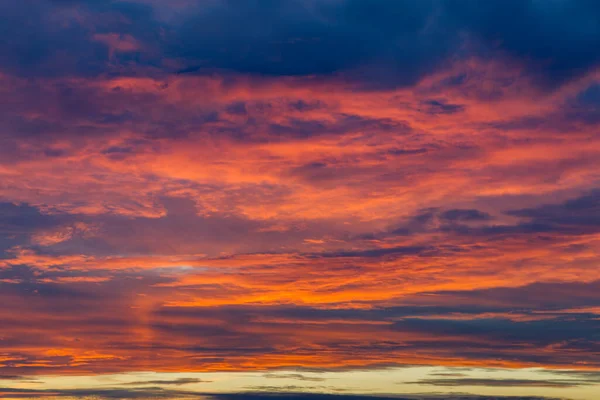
<point x="542" y="296"/>
<point x="435" y="107"/>
<point x="381" y="252"/>
<point x="586" y="107"/>
<point x="386" y="44"/>
<point x="579" y="215"/>
<point x="576" y="216"/>
<point x="55" y="38"/>
<point x="145" y="393"/>
<point x="564" y="330"/>
<point x="18" y="222"/>
<point x="465" y="215"/>
<point x="555" y="39"/>
<point x="388" y="39"/>
<point x="159" y="393"/>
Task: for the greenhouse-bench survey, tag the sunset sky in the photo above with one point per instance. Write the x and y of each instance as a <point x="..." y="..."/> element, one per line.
<point x="314" y="199"/>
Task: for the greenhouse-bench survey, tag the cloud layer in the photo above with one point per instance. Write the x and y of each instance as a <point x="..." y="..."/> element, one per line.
<point x="323" y="184"/>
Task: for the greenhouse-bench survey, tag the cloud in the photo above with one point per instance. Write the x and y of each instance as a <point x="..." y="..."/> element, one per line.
<point x="579" y="213"/>
<point x="378" y="47"/>
<point x="156" y="393"/>
<point x="296" y="396"/>
<point x="176" y="382"/>
<point x="17" y="378"/>
<point x="166" y="394"/>
<point x="294" y="376"/>
<point x="508" y="26"/>
<point x="585" y="376"/>
<point x="310" y="185"/>
<point x="502" y="382"/>
<point x="501" y="333"/>
<point x="465" y="215"/>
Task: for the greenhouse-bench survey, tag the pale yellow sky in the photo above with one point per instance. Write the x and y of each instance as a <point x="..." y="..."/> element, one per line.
<point x="375" y="381"/>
